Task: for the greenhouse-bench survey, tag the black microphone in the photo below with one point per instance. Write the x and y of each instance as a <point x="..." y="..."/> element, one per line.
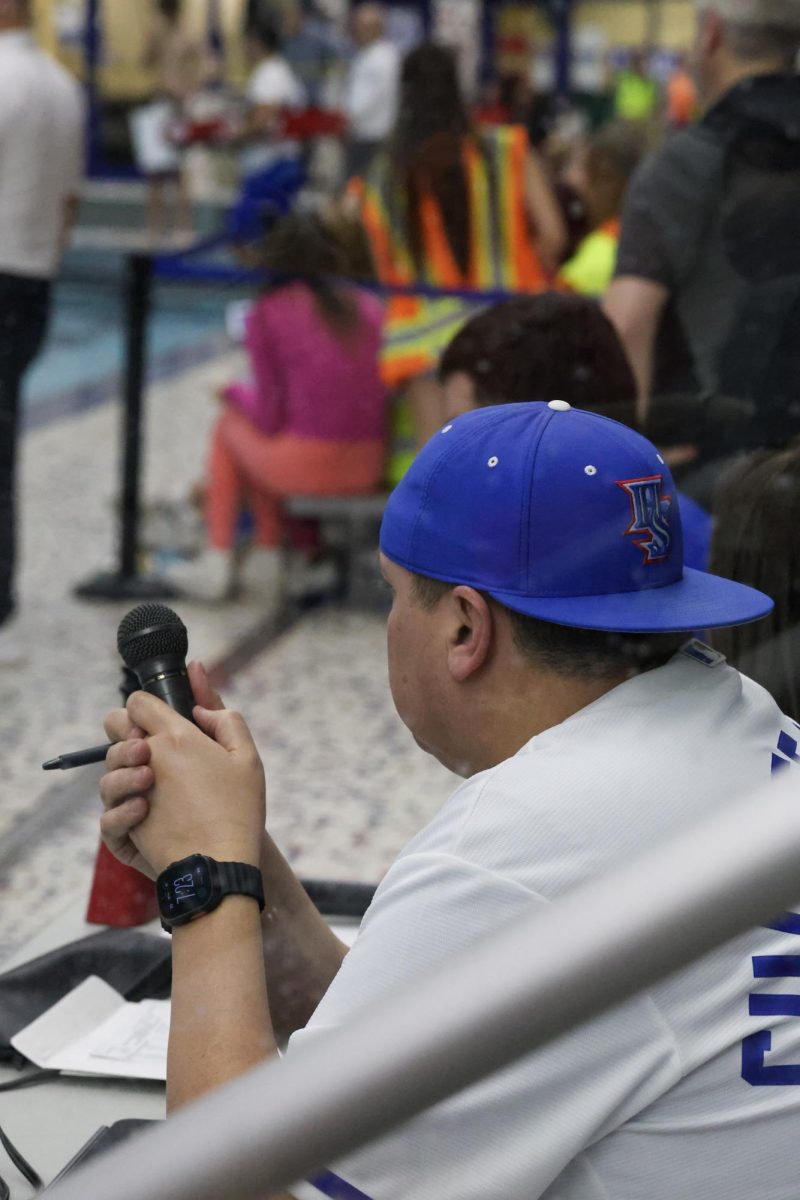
<point x="153" y="643"/>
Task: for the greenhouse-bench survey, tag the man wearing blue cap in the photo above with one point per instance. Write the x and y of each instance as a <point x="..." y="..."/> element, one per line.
<point x="537" y="645"/>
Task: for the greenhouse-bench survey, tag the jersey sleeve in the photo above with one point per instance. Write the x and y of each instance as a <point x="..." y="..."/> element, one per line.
<point x="643" y="251"/>
<point x="513" y="1134"/>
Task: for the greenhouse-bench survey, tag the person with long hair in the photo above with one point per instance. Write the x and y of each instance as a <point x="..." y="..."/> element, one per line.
<point x="449" y="206"/>
<point x="757" y="515"/>
<point x="313" y="420"/>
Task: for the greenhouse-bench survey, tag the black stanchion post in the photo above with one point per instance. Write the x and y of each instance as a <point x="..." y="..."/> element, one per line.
<point x="126" y="582"/>
<point x="139" y="283"/>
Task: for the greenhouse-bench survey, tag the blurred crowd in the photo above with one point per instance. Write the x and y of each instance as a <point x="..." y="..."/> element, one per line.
<point x="422" y="258"/>
<point x="643" y="266"/>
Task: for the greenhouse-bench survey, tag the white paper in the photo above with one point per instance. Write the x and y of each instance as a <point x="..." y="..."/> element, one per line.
<point x="95" y="1031"/>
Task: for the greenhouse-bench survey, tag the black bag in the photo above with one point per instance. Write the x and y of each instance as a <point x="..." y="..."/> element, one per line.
<point x="138" y="965"/>
<point x="760" y="227"/>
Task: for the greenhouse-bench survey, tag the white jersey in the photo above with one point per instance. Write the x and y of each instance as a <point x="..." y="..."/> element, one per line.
<point x="42" y="155"/>
<point x="692" y="1089"/>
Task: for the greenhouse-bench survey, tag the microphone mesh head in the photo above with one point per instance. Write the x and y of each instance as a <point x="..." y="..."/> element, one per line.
<point x="150" y="630"/>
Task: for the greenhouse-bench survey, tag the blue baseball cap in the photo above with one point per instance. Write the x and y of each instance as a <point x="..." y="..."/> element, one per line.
<point x="559" y="514"/>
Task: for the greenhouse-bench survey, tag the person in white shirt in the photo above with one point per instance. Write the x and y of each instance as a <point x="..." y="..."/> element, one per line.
<point x="372" y="88"/>
<point x="271" y="88"/>
<point x="41" y="150"/>
<point x="537" y="647"/>
<point x="272" y="167"/>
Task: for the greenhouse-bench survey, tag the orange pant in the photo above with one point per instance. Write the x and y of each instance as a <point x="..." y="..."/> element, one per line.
<point x="246" y="463"/>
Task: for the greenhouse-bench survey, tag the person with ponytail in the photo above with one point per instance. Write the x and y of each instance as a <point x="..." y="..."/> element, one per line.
<point x="448" y="206"/>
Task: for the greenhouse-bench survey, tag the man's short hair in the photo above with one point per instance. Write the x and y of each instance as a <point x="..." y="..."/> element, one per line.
<point x="547" y="347"/>
<point x="567" y="651"/>
<point x="757" y="30"/>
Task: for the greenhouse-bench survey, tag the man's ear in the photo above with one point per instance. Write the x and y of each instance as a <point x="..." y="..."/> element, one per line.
<point x="459" y="394"/>
<point x="471" y="632"/>
<point x="712" y="33"/>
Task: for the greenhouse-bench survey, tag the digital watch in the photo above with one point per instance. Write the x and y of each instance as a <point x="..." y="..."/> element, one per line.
<point x="198" y="884"/>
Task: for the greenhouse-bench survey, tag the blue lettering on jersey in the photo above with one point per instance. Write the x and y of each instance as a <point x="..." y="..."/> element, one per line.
<point x="337" y="1188"/>
<point x="774" y="966"/>
<point x="650" y="520"/>
<point x="775" y="1006"/>
<point x="756" y="1073"/>
<point x="788" y="747"/>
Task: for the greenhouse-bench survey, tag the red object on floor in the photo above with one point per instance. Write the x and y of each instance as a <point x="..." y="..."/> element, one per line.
<point x="120" y="895"/>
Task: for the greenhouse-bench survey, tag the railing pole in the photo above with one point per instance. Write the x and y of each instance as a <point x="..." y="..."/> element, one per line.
<point x="127" y="583"/>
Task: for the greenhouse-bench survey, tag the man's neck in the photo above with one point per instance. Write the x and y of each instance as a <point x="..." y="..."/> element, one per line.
<point x="519" y="713"/>
<point x="734" y="73"/>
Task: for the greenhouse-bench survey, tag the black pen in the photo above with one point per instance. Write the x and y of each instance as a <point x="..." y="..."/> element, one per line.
<point x="81" y="758"/>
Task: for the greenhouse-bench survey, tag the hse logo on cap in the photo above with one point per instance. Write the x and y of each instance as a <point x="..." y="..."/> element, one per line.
<point x="649" y="525"/>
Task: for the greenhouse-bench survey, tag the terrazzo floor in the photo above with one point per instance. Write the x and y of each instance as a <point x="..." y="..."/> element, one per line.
<point x="347" y="786"/>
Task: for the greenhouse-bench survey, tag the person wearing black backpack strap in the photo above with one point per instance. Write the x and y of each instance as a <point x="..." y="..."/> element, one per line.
<point x="706" y="295"/>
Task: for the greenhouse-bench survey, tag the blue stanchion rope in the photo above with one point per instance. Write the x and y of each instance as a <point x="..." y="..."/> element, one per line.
<point x="168" y="267"/>
<point x="174" y="267"/>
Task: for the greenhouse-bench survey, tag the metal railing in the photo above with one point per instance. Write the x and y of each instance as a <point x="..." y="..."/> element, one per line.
<point x="486" y="1007"/>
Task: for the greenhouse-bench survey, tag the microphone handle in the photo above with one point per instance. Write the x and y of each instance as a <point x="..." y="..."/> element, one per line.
<point x="166" y="678"/>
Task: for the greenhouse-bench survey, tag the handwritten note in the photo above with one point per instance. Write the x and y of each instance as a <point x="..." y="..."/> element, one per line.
<point x="95" y="1031"/>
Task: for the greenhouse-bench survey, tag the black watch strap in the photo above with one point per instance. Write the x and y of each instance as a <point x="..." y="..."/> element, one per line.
<point x="198" y="884"/>
<point x="241" y="879"/>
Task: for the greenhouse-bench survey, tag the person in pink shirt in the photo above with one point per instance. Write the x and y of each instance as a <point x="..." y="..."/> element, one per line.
<point x="312" y="421"/>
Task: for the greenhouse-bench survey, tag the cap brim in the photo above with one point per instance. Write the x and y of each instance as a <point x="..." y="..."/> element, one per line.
<point x="699" y="601"/>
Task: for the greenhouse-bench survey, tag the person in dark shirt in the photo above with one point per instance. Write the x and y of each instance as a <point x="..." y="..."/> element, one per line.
<point x="679" y="288"/>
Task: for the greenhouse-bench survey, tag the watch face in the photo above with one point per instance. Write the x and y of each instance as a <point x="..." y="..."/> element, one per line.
<point x="184" y="889"/>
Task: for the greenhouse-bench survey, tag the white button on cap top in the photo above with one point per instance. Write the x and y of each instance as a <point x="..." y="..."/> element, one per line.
<point x="559" y="405"/>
